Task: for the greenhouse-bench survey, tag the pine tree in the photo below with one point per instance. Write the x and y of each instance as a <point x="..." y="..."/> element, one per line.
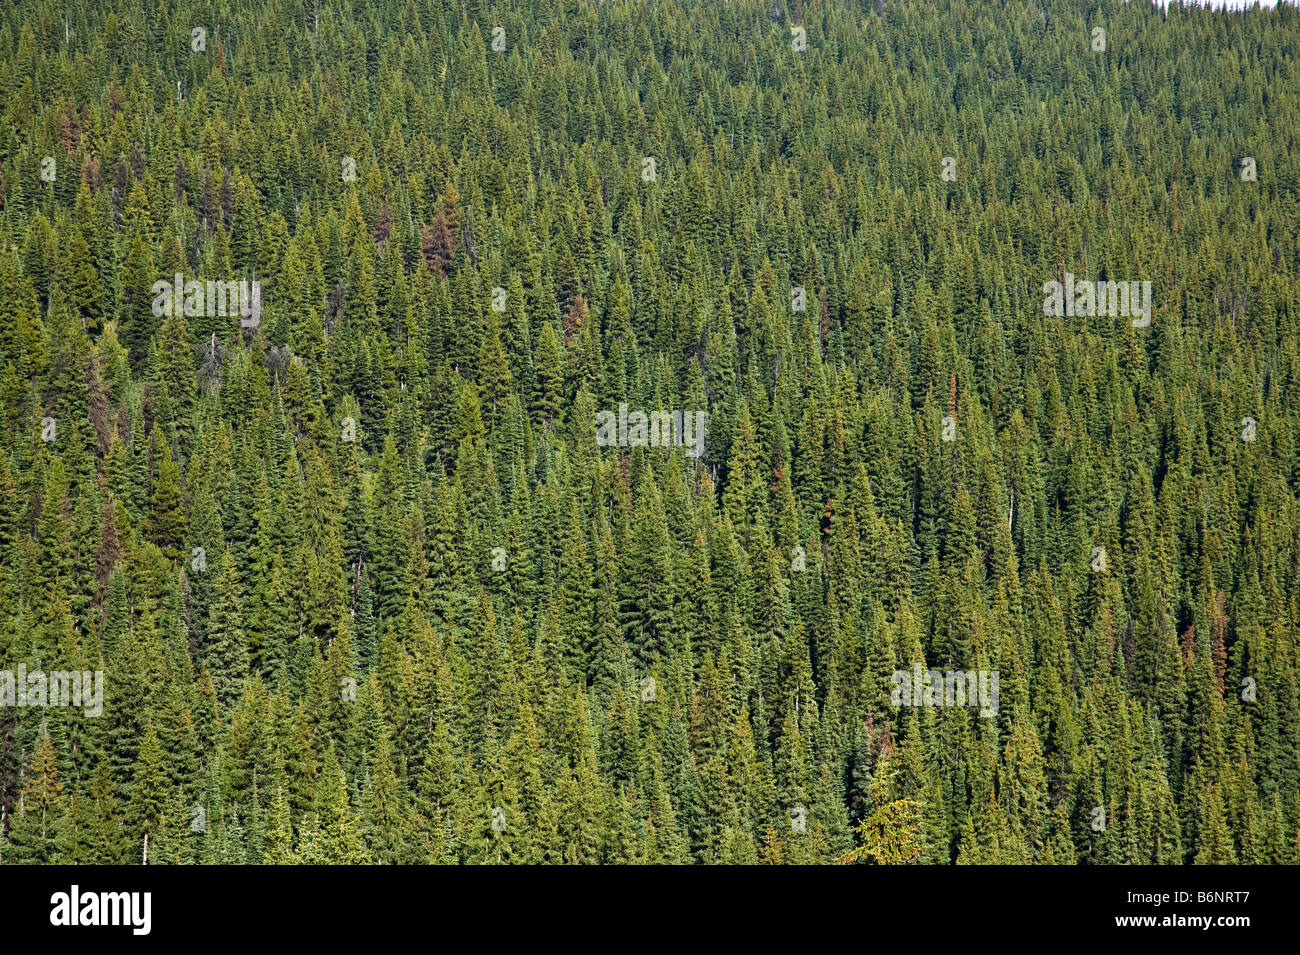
<point x="41" y="825"/>
<point x="135" y="317"/>
<point x="227" y="654"/>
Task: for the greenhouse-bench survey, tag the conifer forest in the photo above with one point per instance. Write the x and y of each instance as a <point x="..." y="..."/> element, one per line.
<point x="649" y="432"/>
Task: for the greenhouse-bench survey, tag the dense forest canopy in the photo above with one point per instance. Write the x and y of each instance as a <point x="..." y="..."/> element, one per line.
<point x="362" y="579"/>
